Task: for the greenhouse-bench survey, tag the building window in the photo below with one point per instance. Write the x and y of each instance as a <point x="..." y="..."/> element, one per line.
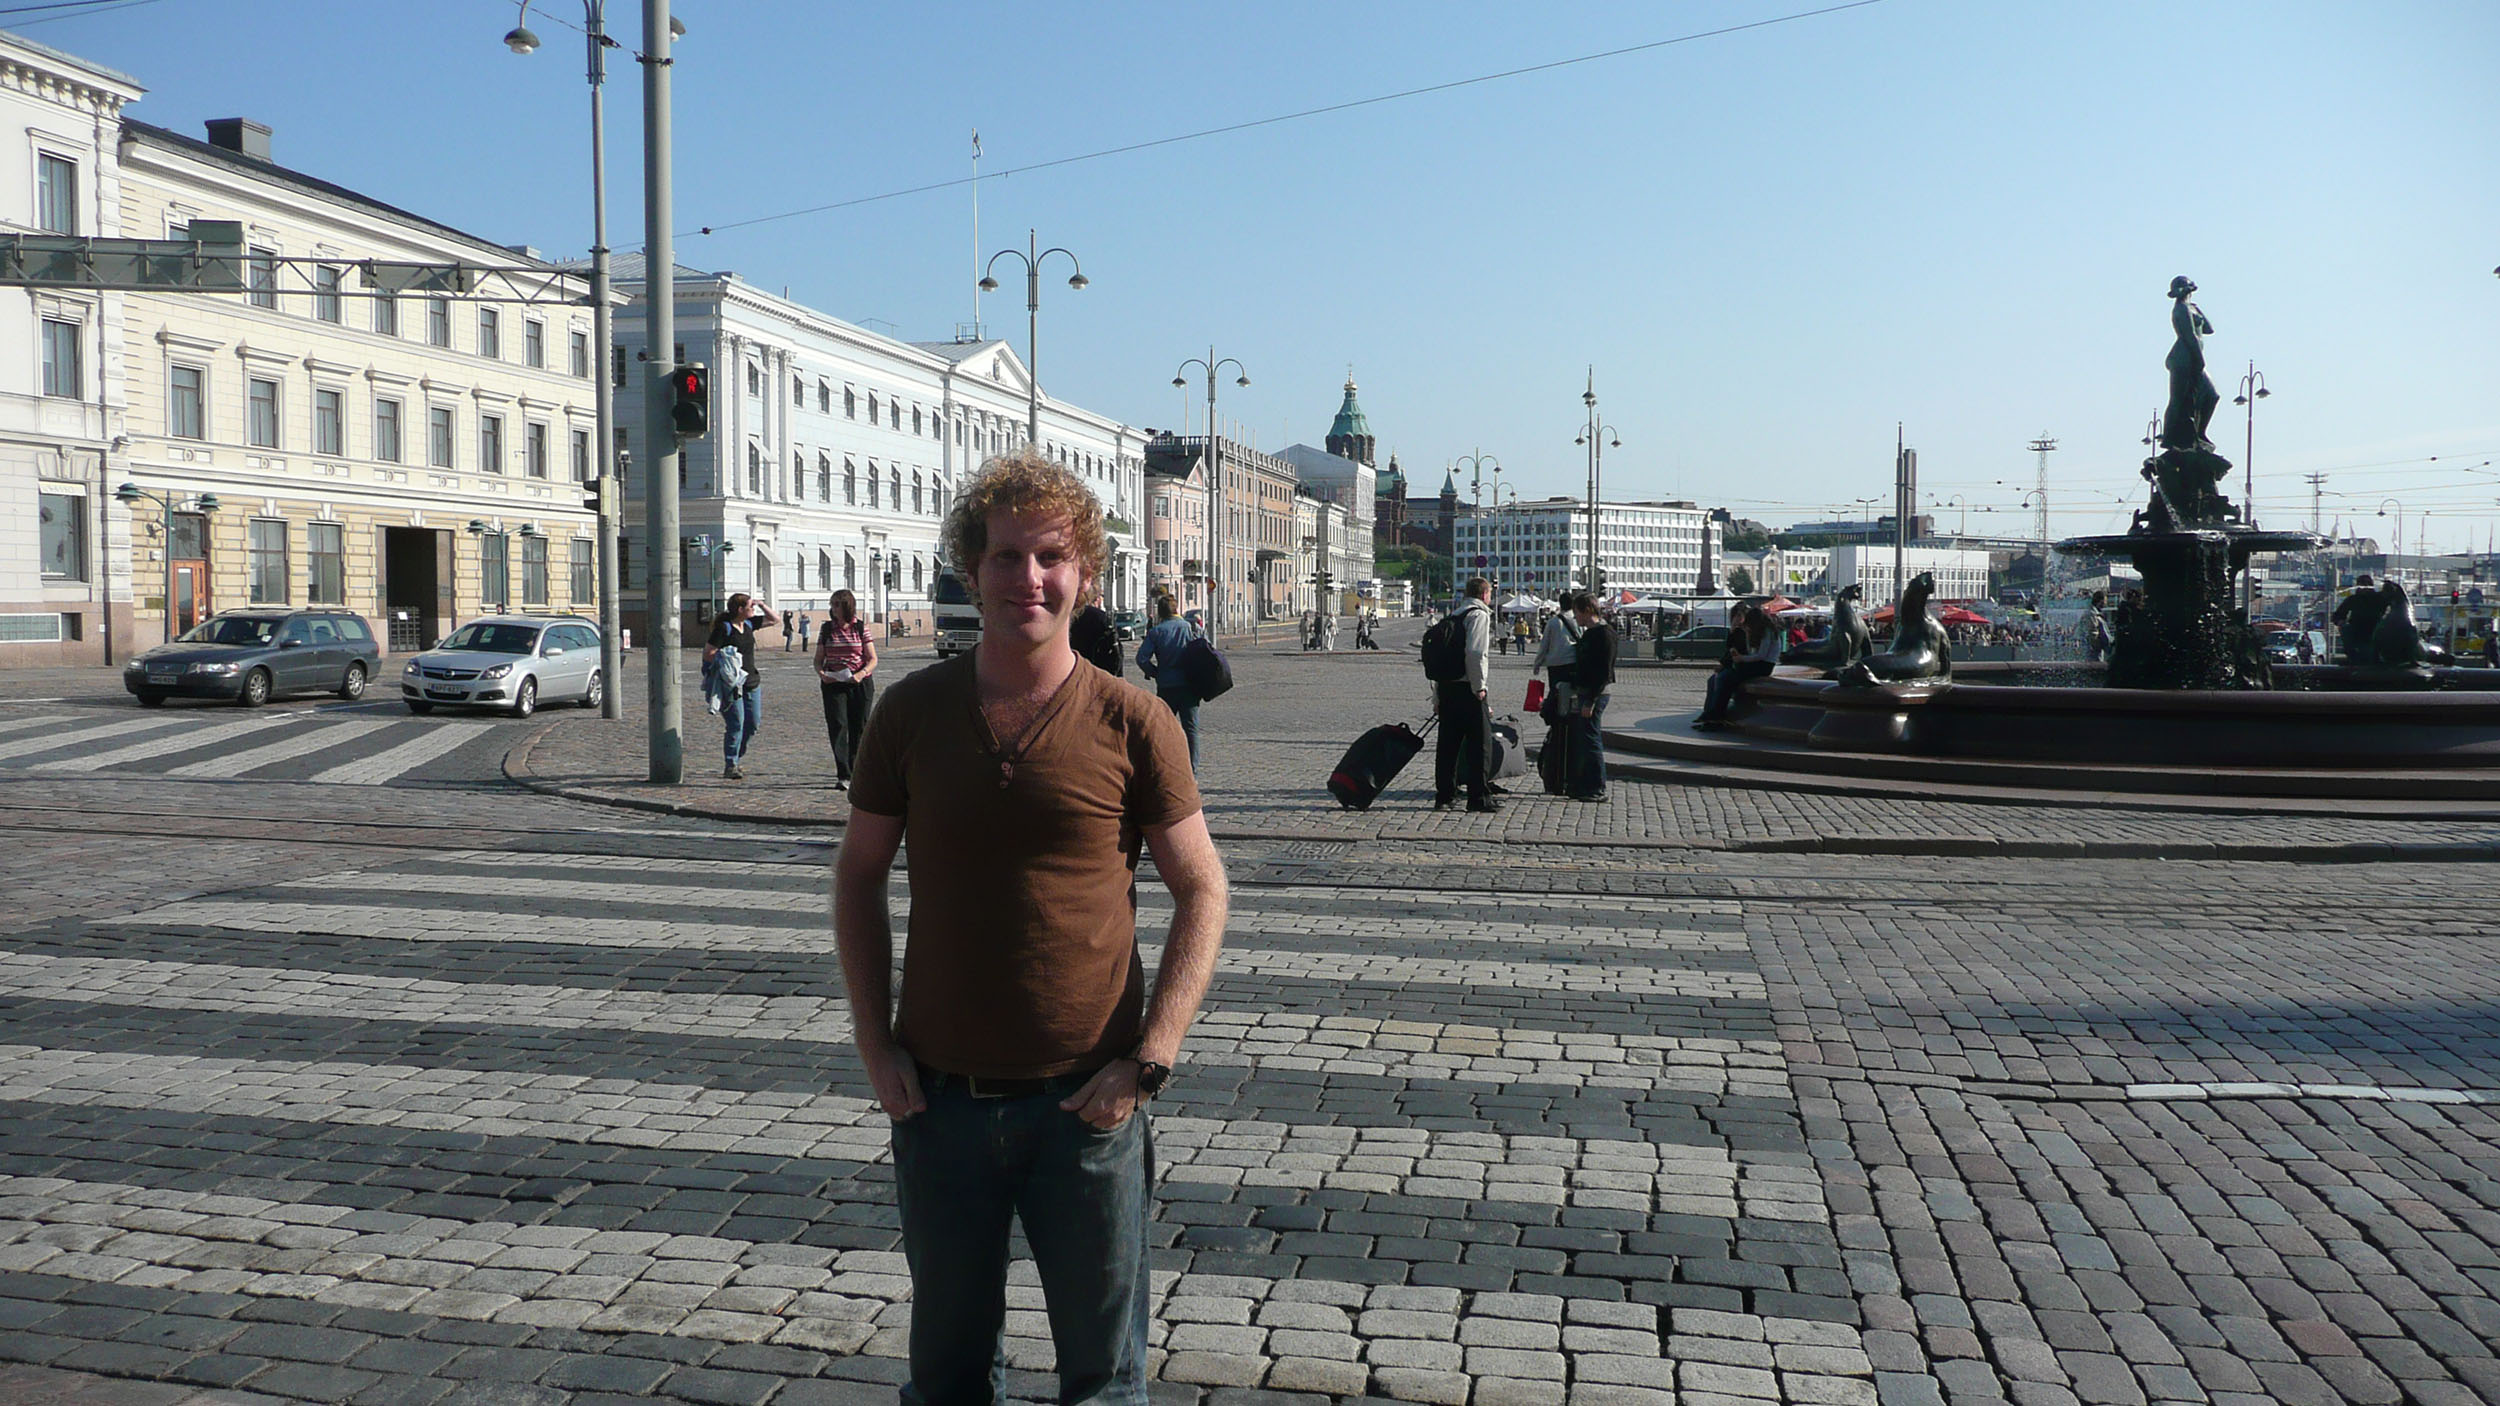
<point x="617" y="370"/>
<point x="894" y="487"/>
<point x="798" y="478"/>
<point x="872" y="407"/>
<point x="798" y="391"/>
<point x="61" y="519"/>
<point x="56" y="194"/>
<point x="534" y="343"/>
<point x="490" y="333"/>
<point x="184" y="417"/>
<point x="915" y="490"/>
<point x="266" y="541"/>
<point x="533" y="570"/>
<point x="494" y="570"/>
<point x="755" y="472"/>
<point x="824" y="478"/>
<point x="580" y="344"/>
<point x="326" y="294"/>
<point x="915" y="419"/>
<point x="438" y="429"/>
<point x="325" y="552"/>
<point x="850" y="481"/>
<point x="60" y="360"/>
<point x="264" y="416"/>
<point x="850" y="403"/>
<point x="490" y="444"/>
<point x="264" y="278"/>
<point x="894" y="408"/>
<point x="386" y="315"/>
<point x="755" y="379"/>
<point x="585" y="570"/>
<point x="386" y="431"/>
<point x="329" y="422"/>
<point x="534" y="451"/>
<point x="850" y="569"/>
<point x="581" y="457"/>
<point x="824" y="397"/>
<point x="438" y="322"/>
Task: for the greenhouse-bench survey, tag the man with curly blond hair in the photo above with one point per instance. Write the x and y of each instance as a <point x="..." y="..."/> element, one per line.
<point x="1016" y="1070"/>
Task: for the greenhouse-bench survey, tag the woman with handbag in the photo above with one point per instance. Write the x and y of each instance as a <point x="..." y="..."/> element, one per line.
<point x="845" y="658"/>
<point x="1555" y="654"/>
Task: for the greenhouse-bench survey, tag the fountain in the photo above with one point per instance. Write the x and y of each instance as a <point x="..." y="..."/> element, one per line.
<point x="2186" y="702"/>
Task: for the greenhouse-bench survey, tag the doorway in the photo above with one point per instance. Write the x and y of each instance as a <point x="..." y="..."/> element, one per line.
<point x="415" y="587"/>
<point x="186" y="555"/>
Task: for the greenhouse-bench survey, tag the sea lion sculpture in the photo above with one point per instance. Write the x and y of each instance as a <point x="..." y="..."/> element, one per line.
<point x="1848" y="641"/>
<point x="1919" y="647"/>
<point x="2397" y="641"/>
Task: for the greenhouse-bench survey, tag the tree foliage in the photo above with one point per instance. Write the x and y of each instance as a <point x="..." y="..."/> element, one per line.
<point x="1740" y="581"/>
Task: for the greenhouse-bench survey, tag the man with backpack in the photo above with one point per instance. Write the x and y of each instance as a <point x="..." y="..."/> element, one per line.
<point x="1159" y="658"/>
<point x="1457" y="658"/>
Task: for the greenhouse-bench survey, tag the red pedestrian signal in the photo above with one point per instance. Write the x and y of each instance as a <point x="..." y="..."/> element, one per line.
<point x="690" y="401"/>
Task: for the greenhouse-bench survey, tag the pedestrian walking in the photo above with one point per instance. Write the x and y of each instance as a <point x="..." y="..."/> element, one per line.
<point x="1463" y="751"/>
<point x="1520" y="633"/>
<point x="1753" y="651"/>
<point x="2096" y="628"/>
<point x="1095" y="638"/>
<point x="846" y="658"/>
<point x="789" y="631"/>
<point x="1027" y="1042"/>
<point x="804" y="632"/>
<point x="1592" y="675"/>
<point x="1555" y="653"/>
<point x="1328" y="632"/>
<point x="743" y="714"/>
<point x="1159" y="659"/>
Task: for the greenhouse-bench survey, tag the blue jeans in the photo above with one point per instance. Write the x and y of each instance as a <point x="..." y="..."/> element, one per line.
<point x="1584" y="755"/>
<point x="1184" y="705"/>
<point x="965" y="1166"/>
<point x="740" y="718"/>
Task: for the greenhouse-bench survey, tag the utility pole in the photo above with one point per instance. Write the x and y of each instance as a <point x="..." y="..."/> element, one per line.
<point x="2317" y="490"/>
<point x="659" y="427"/>
<point x="2043" y="446"/>
<point x="603" y="333"/>
<point x="1904" y="503"/>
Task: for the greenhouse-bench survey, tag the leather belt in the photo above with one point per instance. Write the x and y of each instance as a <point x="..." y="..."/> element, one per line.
<point x="981" y="1086"/>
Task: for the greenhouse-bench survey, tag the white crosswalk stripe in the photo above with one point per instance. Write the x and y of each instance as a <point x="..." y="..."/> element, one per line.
<point x="29" y="722"/>
<point x="382" y="767"/>
<point x="183" y="739"/>
<point x="285" y="749"/>
<point x="27" y="746"/>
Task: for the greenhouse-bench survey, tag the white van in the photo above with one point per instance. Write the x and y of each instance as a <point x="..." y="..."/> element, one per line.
<point x="955" y="618"/>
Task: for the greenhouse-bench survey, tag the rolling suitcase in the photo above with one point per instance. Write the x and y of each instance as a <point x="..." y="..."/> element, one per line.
<point x="1373" y="762"/>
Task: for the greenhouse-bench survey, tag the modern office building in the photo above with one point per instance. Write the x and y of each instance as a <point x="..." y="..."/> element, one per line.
<point x="1648" y="548"/>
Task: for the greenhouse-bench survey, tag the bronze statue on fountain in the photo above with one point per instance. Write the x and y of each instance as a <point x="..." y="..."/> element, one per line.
<point x="2189" y="542"/>
<point x="1920" y="653"/>
<point x="1848" y="641"/>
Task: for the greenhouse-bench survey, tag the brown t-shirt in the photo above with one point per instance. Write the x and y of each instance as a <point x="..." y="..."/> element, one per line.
<point x="1020" y="960"/>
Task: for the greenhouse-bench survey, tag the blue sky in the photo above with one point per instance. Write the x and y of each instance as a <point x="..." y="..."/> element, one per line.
<point x="1772" y="245"/>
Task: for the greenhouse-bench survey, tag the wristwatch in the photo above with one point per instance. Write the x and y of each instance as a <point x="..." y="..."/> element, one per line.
<point x="1151" y="1077"/>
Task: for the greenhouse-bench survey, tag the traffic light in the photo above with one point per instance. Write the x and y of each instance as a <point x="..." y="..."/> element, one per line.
<point x="690" y="401"/>
<point x="594" y="496"/>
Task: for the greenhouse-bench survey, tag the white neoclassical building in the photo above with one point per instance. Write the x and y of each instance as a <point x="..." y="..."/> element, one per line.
<point x="1960" y="575"/>
<point x="833" y="453"/>
<point x="416" y="458"/>
<point x="64" y="591"/>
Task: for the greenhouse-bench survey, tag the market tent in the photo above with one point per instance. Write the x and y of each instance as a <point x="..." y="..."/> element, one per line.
<point x="1628" y="600"/>
<point x="1525" y="604"/>
<point x="1947" y="615"/>
<point x="1778" y="605"/>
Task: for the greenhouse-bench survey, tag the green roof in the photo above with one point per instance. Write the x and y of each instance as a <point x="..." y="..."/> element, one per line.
<point x="1350" y="419"/>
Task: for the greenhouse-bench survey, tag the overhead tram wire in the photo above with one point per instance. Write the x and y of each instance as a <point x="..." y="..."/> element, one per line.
<point x="70" y="10"/>
<point x="1255" y="122"/>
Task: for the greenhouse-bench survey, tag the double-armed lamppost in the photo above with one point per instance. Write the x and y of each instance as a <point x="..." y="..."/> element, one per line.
<point x="608" y="486"/>
<point x="1598" y="436"/>
<point x="1216" y="577"/>
<point x="1033" y="257"/>
<point x="1477" y="463"/>
<point x="132" y="495"/>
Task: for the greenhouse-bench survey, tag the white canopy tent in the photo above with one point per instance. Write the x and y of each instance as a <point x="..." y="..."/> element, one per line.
<point x="1525" y="604"/>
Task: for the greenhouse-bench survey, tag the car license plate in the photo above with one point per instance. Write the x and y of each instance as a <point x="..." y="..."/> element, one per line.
<point x="164" y="678"/>
<point x="450" y="694"/>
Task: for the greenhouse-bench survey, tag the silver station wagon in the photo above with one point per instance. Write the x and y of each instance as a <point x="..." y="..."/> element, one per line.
<point x="511" y="662"/>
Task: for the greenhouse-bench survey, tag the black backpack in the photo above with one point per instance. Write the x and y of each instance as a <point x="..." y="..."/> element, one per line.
<point x="1445" y="648"/>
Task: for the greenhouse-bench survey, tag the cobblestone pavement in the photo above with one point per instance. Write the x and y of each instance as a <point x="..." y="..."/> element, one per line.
<point x="461" y="1094"/>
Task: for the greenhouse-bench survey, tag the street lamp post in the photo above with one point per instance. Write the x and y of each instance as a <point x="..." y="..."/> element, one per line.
<point x="2398" y="548"/>
<point x="131" y="495"/>
<point x="1596" y="437"/>
<point x="2252" y="390"/>
<point x="1477" y="463"/>
<point x="1216" y="580"/>
<point x="603" y="335"/>
<point x="712" y="551"/>
<point x="1032" y="321"/>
